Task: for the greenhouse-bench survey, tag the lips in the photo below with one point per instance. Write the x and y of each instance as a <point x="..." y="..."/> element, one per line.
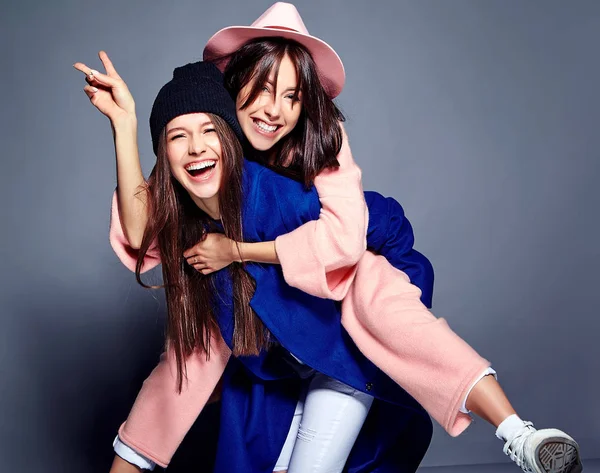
<point x="264" y="127"/>
<point x="201" y="170"/>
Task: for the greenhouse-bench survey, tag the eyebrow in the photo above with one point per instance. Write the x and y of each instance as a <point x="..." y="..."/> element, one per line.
<point x="180" y="128"/>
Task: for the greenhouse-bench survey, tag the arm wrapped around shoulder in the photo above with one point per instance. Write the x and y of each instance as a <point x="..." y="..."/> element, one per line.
<point x="319" y="256"/>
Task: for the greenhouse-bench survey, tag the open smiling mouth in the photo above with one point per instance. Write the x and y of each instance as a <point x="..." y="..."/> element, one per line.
<point x="264" y="127"/>
<point x="203" y="169"/>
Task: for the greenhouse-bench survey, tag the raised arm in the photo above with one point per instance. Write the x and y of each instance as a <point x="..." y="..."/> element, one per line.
<point x="109" y="94"/>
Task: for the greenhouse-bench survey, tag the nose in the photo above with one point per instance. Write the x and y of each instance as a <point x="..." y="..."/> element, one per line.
<point x="196" y="144"/>
<point x="272" y="107"/>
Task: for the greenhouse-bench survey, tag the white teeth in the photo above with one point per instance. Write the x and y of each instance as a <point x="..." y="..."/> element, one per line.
<point x="265" y="127"/>
<point x="198" y="166"/>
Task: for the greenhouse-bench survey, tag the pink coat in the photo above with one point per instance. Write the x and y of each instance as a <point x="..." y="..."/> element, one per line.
<point x="381" y="311"/>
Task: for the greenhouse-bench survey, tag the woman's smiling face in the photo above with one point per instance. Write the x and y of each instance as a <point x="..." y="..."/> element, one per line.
<point x="276" y="110"/>
<point x="194" y="153"/>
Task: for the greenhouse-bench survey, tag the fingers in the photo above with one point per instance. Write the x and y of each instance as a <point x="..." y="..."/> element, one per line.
<point x="196" y="250"/>
<point x="192" y="259"/>
<point x="108" y="65"/>
<point x="203" y="269"/>
<point x="95" y="77"/>
<point x="189" y="253"/>
<point x="104" y="79"/>
<point x="82" y="68"/>
<point x="196" y="262"/>
<point x="90" y="91"/>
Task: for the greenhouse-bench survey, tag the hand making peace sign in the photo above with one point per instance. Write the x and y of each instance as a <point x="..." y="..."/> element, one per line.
<point x="108" y="92"/>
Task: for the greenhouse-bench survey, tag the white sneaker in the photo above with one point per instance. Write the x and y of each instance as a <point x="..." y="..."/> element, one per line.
<point x="543" y="451"/>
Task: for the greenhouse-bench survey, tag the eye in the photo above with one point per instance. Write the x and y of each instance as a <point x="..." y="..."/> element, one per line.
<point x="174" y="137"/>
<point x="266" y="89"/>
<point x="209" y="130"/>
<point x="294" y="97"/>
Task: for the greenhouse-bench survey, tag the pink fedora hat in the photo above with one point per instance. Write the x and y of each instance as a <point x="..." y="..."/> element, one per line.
<point x="281" y="20"/>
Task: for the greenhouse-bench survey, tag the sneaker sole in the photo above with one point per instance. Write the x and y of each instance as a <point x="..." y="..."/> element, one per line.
<point x="558" y="455"/>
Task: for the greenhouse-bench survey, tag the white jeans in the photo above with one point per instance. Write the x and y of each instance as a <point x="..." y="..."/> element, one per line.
<point x="326" y="424"/>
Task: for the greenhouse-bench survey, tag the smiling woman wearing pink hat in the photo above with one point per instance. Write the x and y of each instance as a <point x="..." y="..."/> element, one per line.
<point x="289" y="120"/>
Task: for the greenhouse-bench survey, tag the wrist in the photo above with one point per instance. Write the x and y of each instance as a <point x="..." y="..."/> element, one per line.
<point x="236" y="251"/>
<point x="123" y="466"/>
<point x="125" y="124"/>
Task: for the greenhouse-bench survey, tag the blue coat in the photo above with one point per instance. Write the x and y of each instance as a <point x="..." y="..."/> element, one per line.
<point x="260" y="393"/>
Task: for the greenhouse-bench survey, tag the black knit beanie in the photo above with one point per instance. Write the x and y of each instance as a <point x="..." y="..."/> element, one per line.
<point x="195" y="88"/>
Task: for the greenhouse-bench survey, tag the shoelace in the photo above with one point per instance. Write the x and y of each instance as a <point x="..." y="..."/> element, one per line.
<point x="515" y="448"/>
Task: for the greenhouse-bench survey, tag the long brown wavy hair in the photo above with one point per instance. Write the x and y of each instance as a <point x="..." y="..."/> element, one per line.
<point x="313" y="145"/>
<point x="176" y="223"/>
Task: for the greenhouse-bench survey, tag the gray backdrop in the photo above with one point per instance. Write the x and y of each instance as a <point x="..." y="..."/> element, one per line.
<point x="480" y="117"/>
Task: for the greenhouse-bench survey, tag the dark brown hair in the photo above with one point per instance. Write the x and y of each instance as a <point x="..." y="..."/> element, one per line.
<point x="313" y="145"/>
<point x="177" y="223"/>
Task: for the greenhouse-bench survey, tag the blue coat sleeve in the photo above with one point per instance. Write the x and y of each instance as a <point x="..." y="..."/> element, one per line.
<point x="390" y="234"/>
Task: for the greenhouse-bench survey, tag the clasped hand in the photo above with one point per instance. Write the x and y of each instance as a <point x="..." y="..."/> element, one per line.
<point x="212" y="254"/>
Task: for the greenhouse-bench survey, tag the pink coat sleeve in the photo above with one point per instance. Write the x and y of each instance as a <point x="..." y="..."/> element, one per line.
<point x="386" y="319"/>
<point x="161" y="417"/>
<point x="319" y="256"/>
<point x="125" y="252"/>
